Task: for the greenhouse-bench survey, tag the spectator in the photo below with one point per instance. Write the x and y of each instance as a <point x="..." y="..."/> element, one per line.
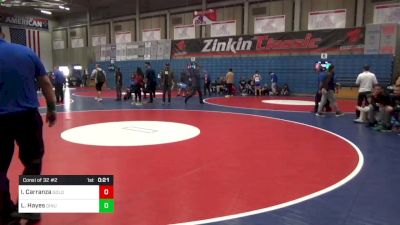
<point x="285" y="90"/>
<point x="265" y="90"/>
<point x="396" y="108"/>
<point x="320" y="69"/>
<point x="380" y="109"/>
<point x="242" y="86"/>
<point x="183" y="84"/>
<point x="257" y="83"/>
<point x="59" y="81"/>
<point x="118" y="84"/>
<point x="194" y="76"/>
<point x="151" y="81"/>
<point x="364" y="110"/>
<point x="99" y="76"/>
<point x="230" y="78"/>
<point x="137" y="85"/>
<point x="167" y="81"/>
<point x="327" y="87"/>
<point x="366" y="80"/>
<point x="84" y="79"/>
<point x="274" y="83"/>
<point x="207" y="84"/>
<point x="220" y="82"/>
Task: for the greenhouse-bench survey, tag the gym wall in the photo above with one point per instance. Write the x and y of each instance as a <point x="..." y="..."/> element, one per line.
<point x="296" y="71"/>
<point x="101" y="24"/>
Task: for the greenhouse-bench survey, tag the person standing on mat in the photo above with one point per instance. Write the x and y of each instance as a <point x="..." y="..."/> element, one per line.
<point x="257" y="83"/>
<point x="167" y="81"/>
<point x="194" y="75"/>
<point x="274" y="83"/>
<point x="118" y="84"/>
<point x="327" y="87"/>
<point x="99" y="76"/>
<point x="320" y="69"/>
<point x="137" y="85"/>
<point x="59" y="81"/>
<point x="20" y="119"/>
<point x="207" y="84"/>
<point x="151" y="81"/>
<point x="366" y="81"/>
<point x="230" y="79"/>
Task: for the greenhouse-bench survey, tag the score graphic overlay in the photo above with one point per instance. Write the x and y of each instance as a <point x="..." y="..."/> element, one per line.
<point x="66" y="194"/>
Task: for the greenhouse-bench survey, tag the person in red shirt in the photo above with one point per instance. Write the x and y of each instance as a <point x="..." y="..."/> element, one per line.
<point x="137" y="85"/>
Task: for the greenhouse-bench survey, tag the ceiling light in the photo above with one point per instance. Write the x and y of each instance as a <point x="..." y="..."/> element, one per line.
<point x="67" y="8"/>
<point x="61" y="7"/>
<point x="45" y="12"/>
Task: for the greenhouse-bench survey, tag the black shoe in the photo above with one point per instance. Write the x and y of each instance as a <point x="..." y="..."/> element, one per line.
<point x="9" y="221"/>
<point x="31" y="218"/>
<point x="32" y="222"/>
<point x="8" y="212"/>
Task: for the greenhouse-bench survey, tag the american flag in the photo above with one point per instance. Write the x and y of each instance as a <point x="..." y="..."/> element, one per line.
<point x="29" y="38"/>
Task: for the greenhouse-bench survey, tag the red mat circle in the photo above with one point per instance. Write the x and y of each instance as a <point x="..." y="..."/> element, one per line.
<point x="234" y="166"/>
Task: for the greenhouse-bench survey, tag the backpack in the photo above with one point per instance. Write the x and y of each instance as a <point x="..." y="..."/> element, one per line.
<point x="100" y="76"/>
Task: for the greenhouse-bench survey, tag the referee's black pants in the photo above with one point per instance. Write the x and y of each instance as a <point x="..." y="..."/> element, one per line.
<point x="25" y="129"/>
<point x="59" y="93"/>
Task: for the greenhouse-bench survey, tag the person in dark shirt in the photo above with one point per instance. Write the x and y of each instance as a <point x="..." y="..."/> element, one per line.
<point x="118" y="84"/>
<point x="151" y="81"/>
<point x="207" y="84"/>
<point x="274" y="83"/>
<point x="395" y="109"/>
<point x="84" y="79"/>
<point x="167" y="81"/>
<point x="194" y="75"/>
<point x="379" y="114"/>
<point x="320" y="69"/>
<point x="327" y="88"/>
<point x="59" y="81"/>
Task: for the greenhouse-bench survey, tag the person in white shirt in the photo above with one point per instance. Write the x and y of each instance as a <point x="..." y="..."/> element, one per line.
<point x="257" y="83"/>
<point x="366" y="81"/>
